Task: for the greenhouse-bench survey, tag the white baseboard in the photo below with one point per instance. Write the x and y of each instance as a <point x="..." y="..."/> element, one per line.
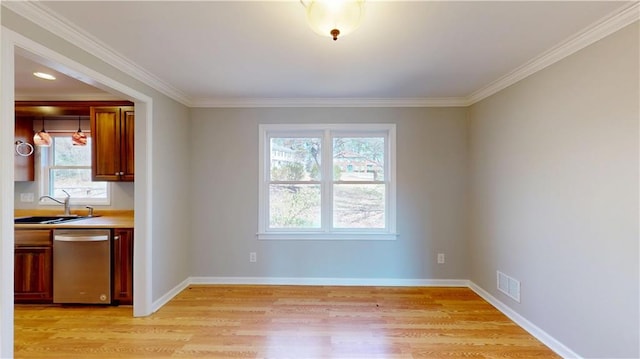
<point x="379" y="282"/>
<point x="534" y="330"/>
<point x="538" y="333"/>
<point x="169" y="295"/>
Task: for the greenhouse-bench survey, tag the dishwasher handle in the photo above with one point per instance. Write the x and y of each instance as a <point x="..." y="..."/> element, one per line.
<point x="89" y="238"/>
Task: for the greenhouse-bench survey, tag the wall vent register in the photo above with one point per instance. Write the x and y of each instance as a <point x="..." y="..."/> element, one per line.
<point x="509" y="286"/>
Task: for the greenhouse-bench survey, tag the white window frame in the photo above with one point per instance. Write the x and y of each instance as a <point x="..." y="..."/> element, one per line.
<point x="45" y="161"/>
<point x="326" y="132"/>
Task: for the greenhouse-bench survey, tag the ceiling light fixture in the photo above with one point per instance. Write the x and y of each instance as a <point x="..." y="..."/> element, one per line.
<point x="42" y="138"/>
<point x="334" y="17"/>
<point x="44" y="76"/>
<point x="79" y="138"/>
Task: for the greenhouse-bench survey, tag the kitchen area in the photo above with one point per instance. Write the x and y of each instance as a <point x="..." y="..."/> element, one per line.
<point x="73" y="200"/>
<point x="150" y="197"/>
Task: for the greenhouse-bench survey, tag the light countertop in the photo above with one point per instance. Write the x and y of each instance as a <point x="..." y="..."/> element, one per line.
<point x="102" y="219"/>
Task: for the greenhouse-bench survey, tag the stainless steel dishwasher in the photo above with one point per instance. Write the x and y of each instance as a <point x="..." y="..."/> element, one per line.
<point x="82" y="266"/>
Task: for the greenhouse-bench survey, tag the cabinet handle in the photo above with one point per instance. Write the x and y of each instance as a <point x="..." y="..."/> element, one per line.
<point x="121" y="173"/>
<point x="117" y="173"/>
<point x="115" y="238"/>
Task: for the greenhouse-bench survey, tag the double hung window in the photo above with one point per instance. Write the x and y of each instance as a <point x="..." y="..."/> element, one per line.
<point x="64" y="166"/>
<point x="327" y="181"/>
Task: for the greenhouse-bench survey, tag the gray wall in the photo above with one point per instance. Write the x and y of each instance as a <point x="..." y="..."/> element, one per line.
<point x="171" y="190"/>
<point x="552" y="164"/>
<point x="431" y="204"/>
<point x="554" y="167"/>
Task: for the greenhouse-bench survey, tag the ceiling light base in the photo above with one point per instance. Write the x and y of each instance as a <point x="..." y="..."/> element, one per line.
<point x="334" y="33"/>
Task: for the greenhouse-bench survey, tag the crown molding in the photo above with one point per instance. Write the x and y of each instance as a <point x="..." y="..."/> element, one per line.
<point x="69" y="97"/>
<point x="600" y="29"/>
<point x="59" y="26"/>
<point x="63" y="28"/>
<point x="332" y="102"/>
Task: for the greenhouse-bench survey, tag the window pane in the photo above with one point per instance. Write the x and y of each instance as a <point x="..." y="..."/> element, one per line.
<point x="358" y="159"/>
<point x="358" y="205"/>
<point x="294" y="206"/>
<point x="66" y="154"/>
<point x="295" y="159"/>
<point x="77" y="182"/>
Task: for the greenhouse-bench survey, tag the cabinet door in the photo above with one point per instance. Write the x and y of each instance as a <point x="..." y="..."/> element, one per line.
<point x="123" y="265"/>
<point x="105" y="142"/>
<point x="127" y="129"/>
<point x="33" y="275"/>
<point x="24" y="170"/>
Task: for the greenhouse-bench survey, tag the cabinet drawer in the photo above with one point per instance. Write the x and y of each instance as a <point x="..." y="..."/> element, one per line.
<point x="33" y="237"/>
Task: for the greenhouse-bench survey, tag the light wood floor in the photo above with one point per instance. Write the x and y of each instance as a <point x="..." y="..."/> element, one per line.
<point x="282" y="322"/>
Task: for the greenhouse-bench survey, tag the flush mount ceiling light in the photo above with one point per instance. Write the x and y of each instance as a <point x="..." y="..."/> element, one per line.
<point x="334" y="17"/>
<point x="44" y="76"/>
<point x="42" y="138"/>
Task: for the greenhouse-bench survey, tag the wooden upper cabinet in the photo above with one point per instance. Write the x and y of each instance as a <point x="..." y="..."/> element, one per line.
<point x="24" y="165"/>
<point x="111" y="127"/>
<point x="112" y="138"/>
<point x="127" y="144"/>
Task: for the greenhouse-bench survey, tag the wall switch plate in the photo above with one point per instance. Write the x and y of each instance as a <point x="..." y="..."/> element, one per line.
<point x="440" y="258"/>
<point x="26" y="197"/>
<point x="253" y="257"/>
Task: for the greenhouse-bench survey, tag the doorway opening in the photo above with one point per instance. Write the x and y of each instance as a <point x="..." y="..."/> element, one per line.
<point x="15" y="44"/>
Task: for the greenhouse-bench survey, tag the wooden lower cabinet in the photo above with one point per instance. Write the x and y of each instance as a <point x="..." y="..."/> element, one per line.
<point x="33" y="266"/>
<point x="123" y="265"/>
<point x="33" y="271"/>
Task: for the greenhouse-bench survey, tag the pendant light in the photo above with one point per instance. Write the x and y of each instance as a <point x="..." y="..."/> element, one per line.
<point x="79" y="138"/>
<point x="42" y="138"/>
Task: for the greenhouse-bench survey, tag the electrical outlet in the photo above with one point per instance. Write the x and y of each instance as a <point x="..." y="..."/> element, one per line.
<point x="440" y="258"/>
<point x="253" y="257"/>
<point x="26" y="197"/>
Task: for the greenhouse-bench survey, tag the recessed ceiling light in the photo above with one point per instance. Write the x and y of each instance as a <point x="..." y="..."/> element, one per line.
<point x="43" y="75"/>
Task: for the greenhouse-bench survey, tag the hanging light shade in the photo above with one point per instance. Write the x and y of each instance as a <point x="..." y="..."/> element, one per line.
<point x="42" y="138"/>
<point x="79" y="138"/>
<point x="334" y="17"/>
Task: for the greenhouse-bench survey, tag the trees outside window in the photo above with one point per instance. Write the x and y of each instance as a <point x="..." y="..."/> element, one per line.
<point x="68" y="167"/>
<point x="327" y="181"/>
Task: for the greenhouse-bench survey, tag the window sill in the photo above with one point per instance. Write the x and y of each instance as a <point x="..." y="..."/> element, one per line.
<point x="335" y="236"/>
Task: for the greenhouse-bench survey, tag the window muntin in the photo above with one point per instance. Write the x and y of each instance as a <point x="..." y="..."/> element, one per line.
<point x="68" y="167"/>
<point x="327" y="182"/>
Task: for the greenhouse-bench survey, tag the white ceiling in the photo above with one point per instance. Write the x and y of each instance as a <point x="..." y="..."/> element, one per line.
<point x="31" y="88"/>
<point x="225" y="52"/>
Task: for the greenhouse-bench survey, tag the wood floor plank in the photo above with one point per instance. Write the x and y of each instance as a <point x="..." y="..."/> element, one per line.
<point x="229" y="321"/>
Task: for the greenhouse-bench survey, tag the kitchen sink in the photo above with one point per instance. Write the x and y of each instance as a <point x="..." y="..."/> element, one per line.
<point x="47" y="219"/>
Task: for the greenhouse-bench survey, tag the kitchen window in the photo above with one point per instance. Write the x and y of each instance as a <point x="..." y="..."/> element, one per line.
<point x="327" y="181"/>
<point x="64" y="166"/>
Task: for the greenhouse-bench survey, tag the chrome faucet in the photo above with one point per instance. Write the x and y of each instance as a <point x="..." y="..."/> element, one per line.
<point x="67" y="206"/>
